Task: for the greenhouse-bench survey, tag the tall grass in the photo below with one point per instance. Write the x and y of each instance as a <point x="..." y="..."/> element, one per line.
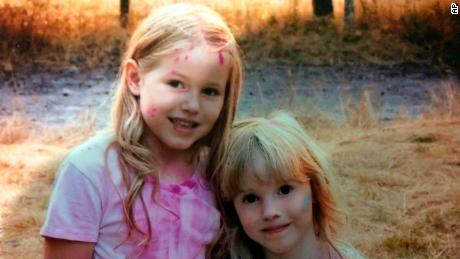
<point x="29" y="157"/>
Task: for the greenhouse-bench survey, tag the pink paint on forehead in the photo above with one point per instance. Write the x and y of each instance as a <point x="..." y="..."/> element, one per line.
<point x="221" y="57"/>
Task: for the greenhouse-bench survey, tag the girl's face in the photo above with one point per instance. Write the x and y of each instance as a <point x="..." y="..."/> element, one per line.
<point x="277" y="215"/>
<point x="182" y="96"/>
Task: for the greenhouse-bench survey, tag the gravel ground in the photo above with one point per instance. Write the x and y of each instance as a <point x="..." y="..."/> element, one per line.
<point x="53" y="98"/>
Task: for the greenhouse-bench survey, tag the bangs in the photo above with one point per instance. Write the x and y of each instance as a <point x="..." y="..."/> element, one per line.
<point x="266" y="153"/>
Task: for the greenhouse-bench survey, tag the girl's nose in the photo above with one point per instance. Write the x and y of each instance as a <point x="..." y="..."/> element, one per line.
<point x="191" y="102"/>
<point x="271" y="210"/>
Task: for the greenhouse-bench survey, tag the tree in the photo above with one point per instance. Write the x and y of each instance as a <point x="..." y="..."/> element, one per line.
<point x="349" y="13"/>
<point x="124" y="13"/>
<point x="322" y="7"/>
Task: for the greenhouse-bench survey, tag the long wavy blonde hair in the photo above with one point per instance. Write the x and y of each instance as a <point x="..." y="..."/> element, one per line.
<point x="289" y="153"/>
<point x="168" y="28"/>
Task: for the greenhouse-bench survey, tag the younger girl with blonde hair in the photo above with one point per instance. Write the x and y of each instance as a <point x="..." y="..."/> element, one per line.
<point x="142" y="191"/>
<point x="276" y="190"/>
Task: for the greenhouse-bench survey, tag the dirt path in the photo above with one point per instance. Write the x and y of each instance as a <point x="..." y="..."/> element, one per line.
<point x="53" y="98"/>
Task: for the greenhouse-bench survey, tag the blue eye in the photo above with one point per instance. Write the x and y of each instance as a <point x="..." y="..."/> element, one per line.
<point x="175" y="83"/>
<point x="250" y="198"/>
<point x="210" y="92"/>
<point x="285" y="189"/>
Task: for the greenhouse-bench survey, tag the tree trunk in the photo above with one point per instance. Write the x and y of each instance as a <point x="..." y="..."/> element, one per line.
<point x="322" y="7"/>
<point x="349" y="13"/>
<point x="124" y="13"/>
<point x="294" y="5"/>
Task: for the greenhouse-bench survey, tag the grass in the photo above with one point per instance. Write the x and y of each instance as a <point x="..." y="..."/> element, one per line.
<point x="404" y="202"/>
<point x="62" y="34"/>
<point x="399" y="179"/>
<point x="29" y="157"/>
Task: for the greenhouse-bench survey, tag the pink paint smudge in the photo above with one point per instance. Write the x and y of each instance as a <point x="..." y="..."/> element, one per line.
<point x="177" y="59"/>
<point x="176" y="189"/>
<point x="186" y="57"/>
<point x="189" y="183"/>
<point x="221" y="57"/>
<point x="152" y="112"/>
<point x="172" y="72"/>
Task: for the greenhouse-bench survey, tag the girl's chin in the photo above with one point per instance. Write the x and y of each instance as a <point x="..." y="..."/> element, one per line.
<point x="169" y="143"/>
<point x="179" y="146"/>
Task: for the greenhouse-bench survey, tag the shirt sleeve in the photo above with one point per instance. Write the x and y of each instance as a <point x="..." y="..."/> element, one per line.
<point x="75" y="208"/>
<point x="349" y="252"/>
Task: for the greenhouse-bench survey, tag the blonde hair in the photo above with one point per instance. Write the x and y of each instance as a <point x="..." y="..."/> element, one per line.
<point x="166" y="29"/>
<point x="289" y="154"/>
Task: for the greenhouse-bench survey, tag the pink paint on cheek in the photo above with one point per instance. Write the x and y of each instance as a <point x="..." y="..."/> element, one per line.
<point x="152" y="112"/>
<point x="172" y="72"/>
<point x="177" y="59"/>
<point x="221" y="57"/>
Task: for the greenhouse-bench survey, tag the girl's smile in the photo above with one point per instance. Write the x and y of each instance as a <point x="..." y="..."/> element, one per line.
<point x="275" y="229"/>
<point x="183" y="126"/>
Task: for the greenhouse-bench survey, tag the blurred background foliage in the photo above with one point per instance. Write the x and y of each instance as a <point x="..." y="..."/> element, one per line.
<point x="82" y="33"/>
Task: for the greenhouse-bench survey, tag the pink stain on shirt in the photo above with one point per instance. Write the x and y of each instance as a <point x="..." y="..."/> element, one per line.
<point x="183" y="220"/>
<point x="221" y="57"/>
<point x="189" y="183"/>
<point x="176" y="189"/>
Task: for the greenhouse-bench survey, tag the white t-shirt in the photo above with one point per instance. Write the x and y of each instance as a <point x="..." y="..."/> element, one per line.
<point x="86" y="205"/>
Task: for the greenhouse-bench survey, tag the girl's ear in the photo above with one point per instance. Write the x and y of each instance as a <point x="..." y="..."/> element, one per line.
<point x="133" y="78"/>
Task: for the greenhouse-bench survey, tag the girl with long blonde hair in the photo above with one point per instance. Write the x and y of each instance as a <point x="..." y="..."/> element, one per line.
<point x="142" y="190"/>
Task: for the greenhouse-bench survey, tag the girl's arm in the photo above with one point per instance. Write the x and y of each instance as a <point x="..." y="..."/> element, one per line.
<point x="61" y="248"/>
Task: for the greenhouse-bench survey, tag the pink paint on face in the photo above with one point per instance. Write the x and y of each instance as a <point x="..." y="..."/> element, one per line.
<point x="201" y="68"/>
<point x="221" y="57"/>
<point x="177" y="59"/>
<point x="186" y="57"/>
<point x="172" y="72"/>
<point x="152" y="111"/>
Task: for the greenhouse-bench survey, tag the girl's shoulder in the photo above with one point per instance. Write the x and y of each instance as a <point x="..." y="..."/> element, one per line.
<point x="348" y="251"/>
<point x="91" y="155"/>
